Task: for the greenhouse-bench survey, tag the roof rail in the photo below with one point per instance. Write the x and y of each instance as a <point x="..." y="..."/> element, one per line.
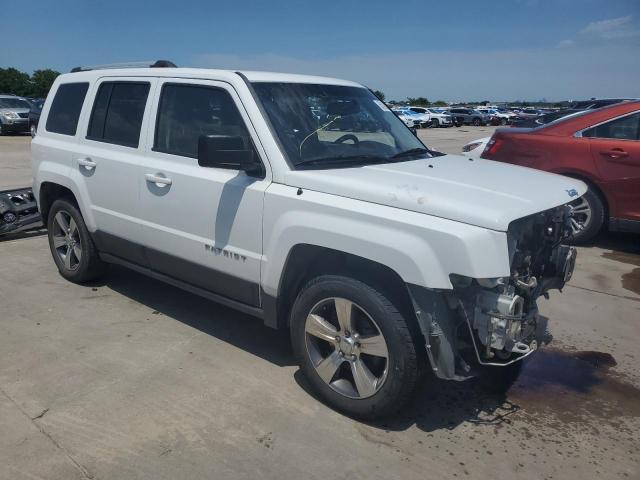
<point x="149" y="64"/>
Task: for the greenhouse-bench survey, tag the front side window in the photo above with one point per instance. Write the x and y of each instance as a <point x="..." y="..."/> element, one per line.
<point x="625" y="128"/>
<point x="186" y="112"/>
<point x="65" y="108"/>
<point x="327" y="126"/>
<point x="117" y="113"/>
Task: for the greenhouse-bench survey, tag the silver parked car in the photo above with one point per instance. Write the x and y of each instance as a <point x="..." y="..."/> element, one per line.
<point x="14" y="114"/>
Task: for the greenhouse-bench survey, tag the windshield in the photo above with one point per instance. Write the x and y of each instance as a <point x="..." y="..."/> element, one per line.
<point x="323" y="125"/>
<point x="13" y="103"/>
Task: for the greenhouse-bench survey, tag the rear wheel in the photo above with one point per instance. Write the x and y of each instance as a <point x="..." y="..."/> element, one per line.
<point x="503" y="121"/>
<point x="354" y="346"/>
<point x="476" y="122"/>
<point x="435" y="123"/>
<point x="588" y="217"/>
<point x="71" y="245"/>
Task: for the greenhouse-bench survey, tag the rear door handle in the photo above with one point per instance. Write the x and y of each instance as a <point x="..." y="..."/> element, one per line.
<point x="87" y="163"/>
<point x="615" y="153"/>
<point x="159" y="180"/>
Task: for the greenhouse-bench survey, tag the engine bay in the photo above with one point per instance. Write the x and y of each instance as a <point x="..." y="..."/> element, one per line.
<point x="501" y="314"/>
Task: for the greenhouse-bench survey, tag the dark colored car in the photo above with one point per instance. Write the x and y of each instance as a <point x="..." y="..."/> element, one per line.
<point x="597" y="103"/>
<point x="34" y="115"/>
<point x="468" y="116"/>
<point x="600" y="147"/>
<point x="533" y="122"/>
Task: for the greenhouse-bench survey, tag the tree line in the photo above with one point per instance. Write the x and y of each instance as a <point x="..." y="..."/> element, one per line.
<point x="36" y="85"/>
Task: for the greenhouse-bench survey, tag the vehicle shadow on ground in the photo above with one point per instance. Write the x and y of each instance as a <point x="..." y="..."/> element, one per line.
<point x="617" y="241"/>
<point x="240" y="330"/>
<point x="440" y="404"/>
<point x="437" y="405"/>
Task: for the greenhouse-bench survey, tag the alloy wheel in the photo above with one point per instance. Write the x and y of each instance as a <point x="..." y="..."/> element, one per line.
<point x="581" y="215"/>
<point x="346" y="347"/>
<point x="66" y="240"/>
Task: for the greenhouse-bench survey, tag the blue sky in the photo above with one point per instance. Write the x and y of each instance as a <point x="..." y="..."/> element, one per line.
<point x="461" y="50"/>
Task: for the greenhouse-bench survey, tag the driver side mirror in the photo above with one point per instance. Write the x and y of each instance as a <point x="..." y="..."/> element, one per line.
<point x="227" y="151"/>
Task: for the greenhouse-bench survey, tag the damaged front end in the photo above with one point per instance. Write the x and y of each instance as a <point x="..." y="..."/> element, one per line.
<point x="495" y="321"/>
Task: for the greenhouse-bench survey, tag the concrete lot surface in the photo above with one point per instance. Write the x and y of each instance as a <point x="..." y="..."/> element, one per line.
<point x="129" y="378"/>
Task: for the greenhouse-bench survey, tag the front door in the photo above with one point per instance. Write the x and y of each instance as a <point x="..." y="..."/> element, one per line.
<point x="202" y="225"/>
<point x="615" y="148"/>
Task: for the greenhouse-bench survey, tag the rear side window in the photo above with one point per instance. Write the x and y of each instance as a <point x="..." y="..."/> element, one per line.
<point x="187" y="111"/>
<point x="65" y="108"/>
<point x="625" y="128"/>
<point x="117" y="113"/>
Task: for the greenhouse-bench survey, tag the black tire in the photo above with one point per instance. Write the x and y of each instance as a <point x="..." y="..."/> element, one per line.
<point x="435" y="123"/>
<point x="595" y="223"/>
<point x="476" y="122"/>
<point x="89" y="266"/>
<point x="503" y="121"/>
<point x="402" y="369"/>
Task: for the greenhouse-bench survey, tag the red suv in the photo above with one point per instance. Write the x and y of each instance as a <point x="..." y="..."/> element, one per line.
<point x="600" y="147"/>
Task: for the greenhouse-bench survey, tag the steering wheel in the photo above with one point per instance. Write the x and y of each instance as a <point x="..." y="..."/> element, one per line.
<point x="348" y="136"/>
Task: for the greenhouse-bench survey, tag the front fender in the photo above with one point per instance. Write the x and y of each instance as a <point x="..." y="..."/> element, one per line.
<point x="423" y="250"/>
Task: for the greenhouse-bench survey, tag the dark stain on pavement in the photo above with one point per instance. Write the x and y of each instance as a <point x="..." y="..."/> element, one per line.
<point x="630" y="280"/>
<point x="574" y="386"/>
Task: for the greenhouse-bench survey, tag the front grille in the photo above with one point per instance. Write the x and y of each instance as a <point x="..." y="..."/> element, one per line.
<point x="24" y="115"/>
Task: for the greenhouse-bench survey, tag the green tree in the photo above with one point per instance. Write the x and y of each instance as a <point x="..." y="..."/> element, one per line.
<point x="41" y="82"/>
<point x="418" y="101"/>
<point x="379" y="94"/>
<point x="14" y="81"/>
<point x="440" y="103"/>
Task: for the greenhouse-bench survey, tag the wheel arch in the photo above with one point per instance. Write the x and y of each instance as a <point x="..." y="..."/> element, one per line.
<point x="49" y="192"/>
<point x="306" y="261"/>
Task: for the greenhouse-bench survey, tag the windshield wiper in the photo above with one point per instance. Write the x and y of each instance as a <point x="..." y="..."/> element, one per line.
<point x="344" y="160"/>
<point x="412" y="151"/>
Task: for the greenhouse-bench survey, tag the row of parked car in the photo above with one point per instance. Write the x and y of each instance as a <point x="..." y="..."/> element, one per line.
<point x="598" y="142"/>
<point x="19" y="114"/>
<point x="422" y="117"/>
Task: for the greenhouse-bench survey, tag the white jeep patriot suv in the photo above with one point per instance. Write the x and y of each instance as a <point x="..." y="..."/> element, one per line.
<point x="306" y="202"/>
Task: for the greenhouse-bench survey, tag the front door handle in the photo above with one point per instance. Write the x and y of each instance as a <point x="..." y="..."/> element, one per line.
<point x="615" y="153"/>
<point x="87" y="163"/>
<point x="158" y="179"/>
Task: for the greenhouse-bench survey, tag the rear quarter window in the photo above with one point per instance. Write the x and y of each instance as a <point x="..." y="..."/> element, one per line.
<point x="65" y="108"/>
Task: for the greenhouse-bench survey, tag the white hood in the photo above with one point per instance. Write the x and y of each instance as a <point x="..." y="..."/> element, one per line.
<point x="475" y="191"/>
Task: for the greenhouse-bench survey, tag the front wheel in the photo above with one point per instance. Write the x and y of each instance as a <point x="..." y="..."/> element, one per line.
<point x="588" y="217"/>
<point x="354" y="346"/>
<point x="476" y="122"/>
<point x="71" y="245"/>
<point x="435" y="123"/>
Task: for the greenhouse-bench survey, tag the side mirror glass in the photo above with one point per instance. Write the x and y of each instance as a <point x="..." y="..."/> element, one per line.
<point x="226" y="151"/>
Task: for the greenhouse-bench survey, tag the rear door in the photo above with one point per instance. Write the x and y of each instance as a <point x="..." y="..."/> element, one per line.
<point x="615" y="148"/>
<point x="106" y="164"/>
<point x="202" y="225"/>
